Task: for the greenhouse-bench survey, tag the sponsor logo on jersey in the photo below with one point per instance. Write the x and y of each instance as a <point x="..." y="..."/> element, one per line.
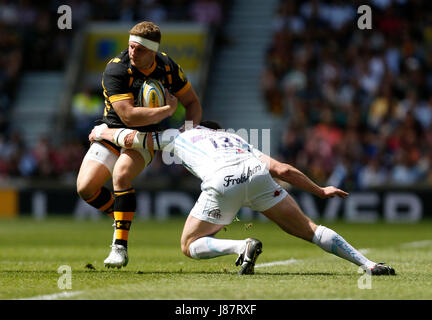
<point x="276" y="193"/>
<point x="229" y="180"/>
<point x="215" y="213"/>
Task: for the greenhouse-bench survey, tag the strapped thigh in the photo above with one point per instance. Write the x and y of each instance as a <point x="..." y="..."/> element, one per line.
<point x="103" y="153"/>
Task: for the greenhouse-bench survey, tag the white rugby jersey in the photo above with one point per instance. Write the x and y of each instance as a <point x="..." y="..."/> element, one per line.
<point x="203" y="151"/>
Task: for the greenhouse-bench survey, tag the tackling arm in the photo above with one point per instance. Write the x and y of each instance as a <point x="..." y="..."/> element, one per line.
<point x="298" y="179"/>
<point x="133" y="139"/>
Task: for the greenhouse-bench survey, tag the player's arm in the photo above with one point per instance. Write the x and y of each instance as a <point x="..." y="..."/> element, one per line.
<point x="115" y="81"/>
<point x="133" y="139"/>
<point x="183" y="90"/>
<point x="132" y="116"/>
<point x="190" y="101"/>
<point x="295" y="177"/>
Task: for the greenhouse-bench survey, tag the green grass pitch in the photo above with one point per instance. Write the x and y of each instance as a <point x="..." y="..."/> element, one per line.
<point x="289" y="268"/>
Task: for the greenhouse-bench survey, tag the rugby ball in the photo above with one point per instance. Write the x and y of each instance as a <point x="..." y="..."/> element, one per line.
<point x="152" y="94"/>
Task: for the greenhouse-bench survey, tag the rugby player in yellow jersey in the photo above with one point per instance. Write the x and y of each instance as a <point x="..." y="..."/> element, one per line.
<point x="121" y="82"/>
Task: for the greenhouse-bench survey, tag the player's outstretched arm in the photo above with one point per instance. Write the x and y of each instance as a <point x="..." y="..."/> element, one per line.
<point x="136" y="117"/>
<point x="298" y="179"/>
<point x="133" y="139"/>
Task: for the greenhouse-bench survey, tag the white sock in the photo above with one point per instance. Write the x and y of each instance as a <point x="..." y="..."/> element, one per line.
<point x="209" y="247"/>
<point x="330" y="241"/>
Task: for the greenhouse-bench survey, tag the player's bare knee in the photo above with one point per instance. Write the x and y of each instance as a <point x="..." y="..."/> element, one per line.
<point x="185" y="248"/>
<point x="84" y="190"/>
<point x="79" y="189"/>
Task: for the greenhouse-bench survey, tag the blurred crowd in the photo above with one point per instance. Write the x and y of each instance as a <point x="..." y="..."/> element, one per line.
<point x="31" y="41"/>
<point x="357" y="103"/>
<point x="43" y="160"/>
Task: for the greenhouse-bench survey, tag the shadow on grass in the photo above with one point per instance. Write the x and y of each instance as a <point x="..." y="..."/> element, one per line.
<point x="230" y="273"/>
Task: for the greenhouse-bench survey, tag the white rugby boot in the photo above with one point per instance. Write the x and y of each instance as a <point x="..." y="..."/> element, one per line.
<point x="249" y="256"/>
<point x="117" y="258"/>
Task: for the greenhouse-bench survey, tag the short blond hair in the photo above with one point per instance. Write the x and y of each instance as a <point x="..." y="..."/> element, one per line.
<point x="148" y="30"/>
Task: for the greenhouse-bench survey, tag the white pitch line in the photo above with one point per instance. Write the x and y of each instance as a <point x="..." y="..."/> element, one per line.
<point x="64" y="294"/>
<point x="417" y="244"/>
<point x="414" y="244"/>
<point x="277" y="263"/>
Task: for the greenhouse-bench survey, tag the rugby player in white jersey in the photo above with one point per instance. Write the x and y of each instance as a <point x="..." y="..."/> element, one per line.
<point x="235" y="174"/>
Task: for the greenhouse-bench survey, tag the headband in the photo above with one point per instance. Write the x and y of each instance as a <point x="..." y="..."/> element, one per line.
<point x="149" y="44"/>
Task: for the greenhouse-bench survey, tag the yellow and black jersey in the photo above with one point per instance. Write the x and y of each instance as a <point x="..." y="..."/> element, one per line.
<point x="121" y="81"/>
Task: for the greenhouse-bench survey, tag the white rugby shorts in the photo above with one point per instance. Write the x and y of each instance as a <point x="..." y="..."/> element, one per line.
<point x="248" y="184"/>
<point x="108" y="155"/>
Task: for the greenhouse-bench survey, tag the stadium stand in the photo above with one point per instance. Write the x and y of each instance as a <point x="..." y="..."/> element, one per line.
<point x="357" y="105"/>
<point x="234" y="95"/>
<point x="33" y="59"/>
<point x="355" y="108"/>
